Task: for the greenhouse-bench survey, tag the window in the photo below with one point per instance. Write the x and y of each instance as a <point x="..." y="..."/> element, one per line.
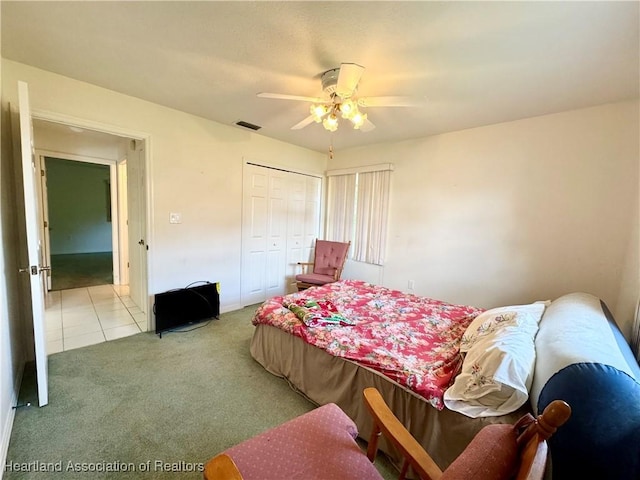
<point x="358" y="202"/>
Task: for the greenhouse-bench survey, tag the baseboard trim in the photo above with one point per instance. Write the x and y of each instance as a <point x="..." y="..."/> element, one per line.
<point x="229" y="308"/>
<point x="8" y="425"/>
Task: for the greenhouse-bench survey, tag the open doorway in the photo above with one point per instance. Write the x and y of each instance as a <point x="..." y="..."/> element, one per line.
<point x="80" y="223"/>
<point x="93" y="190"/>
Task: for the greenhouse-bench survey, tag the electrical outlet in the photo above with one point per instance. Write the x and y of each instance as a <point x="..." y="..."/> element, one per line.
<point x="175" y="218"/>
<point x="411" y="284"/>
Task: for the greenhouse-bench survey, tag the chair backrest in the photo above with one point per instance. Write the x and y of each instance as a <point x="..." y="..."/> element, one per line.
<point x="496" y="452"/>
<point x="329" y="257"/>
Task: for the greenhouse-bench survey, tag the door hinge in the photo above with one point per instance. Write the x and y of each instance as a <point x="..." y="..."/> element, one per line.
<point x="46" y="224"/>
<point x="41" y="173"/>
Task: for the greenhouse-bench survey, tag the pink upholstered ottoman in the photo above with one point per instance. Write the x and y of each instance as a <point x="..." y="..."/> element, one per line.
<point x="317" y="445"/>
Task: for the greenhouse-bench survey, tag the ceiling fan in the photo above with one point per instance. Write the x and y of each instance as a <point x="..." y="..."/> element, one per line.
<point x="341" y="101"/>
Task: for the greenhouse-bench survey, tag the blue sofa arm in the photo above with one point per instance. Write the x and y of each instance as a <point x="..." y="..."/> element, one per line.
<point x="581" y="359"/>
<point x="601" y="440"/>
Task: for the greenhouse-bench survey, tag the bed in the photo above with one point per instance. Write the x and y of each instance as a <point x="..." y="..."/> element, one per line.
<point x="333" y="341"/>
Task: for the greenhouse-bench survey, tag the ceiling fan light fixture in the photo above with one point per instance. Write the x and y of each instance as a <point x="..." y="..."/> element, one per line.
<point x="358" y="120"/>
<point x="348" y="109"/>
<point x="318" y="111"/>
<point x="331" y="122"/>
<point x="341" y="100"/>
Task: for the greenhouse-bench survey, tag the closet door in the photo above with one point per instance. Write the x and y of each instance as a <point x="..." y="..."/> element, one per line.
<point x="313" y="197"/>
<point x="255" y="208"/>
<point x="295" y="231"/>
<point x="276" y="233"/>
<point x="280" y="221"/>
<point x="304" y="224"/>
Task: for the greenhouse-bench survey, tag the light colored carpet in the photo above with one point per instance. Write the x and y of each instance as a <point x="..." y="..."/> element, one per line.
<point x="169" y="403"/>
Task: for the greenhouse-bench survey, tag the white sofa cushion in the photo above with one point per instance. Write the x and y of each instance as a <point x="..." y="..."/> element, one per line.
<point x="573" y="329"/>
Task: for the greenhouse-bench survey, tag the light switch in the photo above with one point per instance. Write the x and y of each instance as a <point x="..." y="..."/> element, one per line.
<point x="175" y="218"/>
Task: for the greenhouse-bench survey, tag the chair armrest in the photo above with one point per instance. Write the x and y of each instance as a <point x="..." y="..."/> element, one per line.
<point x="533" y="440"/>
<point x="221" y="467"/>
<point x="386" y="422"/>
<point x="306" y="266"/>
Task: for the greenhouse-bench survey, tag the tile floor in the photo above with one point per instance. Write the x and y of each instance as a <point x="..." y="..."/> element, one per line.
<point x="84" y="316"/>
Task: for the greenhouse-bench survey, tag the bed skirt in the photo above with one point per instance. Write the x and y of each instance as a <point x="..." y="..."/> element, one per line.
<point x="323" y="378"/>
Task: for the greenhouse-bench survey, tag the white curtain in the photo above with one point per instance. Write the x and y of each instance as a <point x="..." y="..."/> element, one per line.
<point x="371" y="219"/>
<point x="341" y="194"/>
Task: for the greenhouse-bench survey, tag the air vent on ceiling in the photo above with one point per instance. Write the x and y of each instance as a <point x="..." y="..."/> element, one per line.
<point x="244" y="124"/>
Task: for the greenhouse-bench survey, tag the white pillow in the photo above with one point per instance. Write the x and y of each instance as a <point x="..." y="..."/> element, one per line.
<point x="498" y="366"/>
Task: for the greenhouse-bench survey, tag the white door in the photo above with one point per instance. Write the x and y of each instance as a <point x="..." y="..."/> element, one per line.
<point x="30" y="173"/>
<point x="123" y="222"/>
<point x="280" y="221"/>
<point x="311" y="216"/>
<point x="115" y="220"/>
<point x="136" y="204"/>
<point x="304" y="225"/>
<point x="276" y="234"/>
<point x="264" y="233"/>
<point x="295" y="232"/>
<point x="255" y="207"/>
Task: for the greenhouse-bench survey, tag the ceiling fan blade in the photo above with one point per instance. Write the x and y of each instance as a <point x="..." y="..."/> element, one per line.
<point x="392" y="101"/>
<point x="367" y="126"/>
<point x="303" y="123"/>
<point x="348" y="79"/>
<point x="284" y="96"/>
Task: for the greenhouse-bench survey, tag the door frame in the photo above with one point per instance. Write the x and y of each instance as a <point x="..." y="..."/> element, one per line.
<point x="115" y="217"/>
<point x="123" y="224"/>
<point x="83" y="123"/>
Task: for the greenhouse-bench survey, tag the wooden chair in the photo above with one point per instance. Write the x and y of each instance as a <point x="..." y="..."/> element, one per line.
<point x="498" y="451"/>
<point x="329" y="259"/>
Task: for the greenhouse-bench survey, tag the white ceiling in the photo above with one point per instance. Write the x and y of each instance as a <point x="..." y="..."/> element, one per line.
<point x="478" y="63"/>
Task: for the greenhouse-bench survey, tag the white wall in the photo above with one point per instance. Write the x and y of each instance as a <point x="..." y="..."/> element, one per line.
<point x="57" y="140"/>
<point x="196" y="170"/>
<point x="518" y="211"/>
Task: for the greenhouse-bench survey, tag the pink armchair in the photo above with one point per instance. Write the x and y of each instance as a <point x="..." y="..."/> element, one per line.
<point x="327" y="266"/>
<point x="321" y="444"/>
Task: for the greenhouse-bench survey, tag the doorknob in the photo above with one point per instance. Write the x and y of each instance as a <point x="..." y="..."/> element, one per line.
<point x="33" y="270"/>
<point x="141" y="242"/>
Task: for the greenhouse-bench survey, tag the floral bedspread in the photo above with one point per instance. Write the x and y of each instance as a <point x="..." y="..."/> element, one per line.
<point x="412" y="340"/>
